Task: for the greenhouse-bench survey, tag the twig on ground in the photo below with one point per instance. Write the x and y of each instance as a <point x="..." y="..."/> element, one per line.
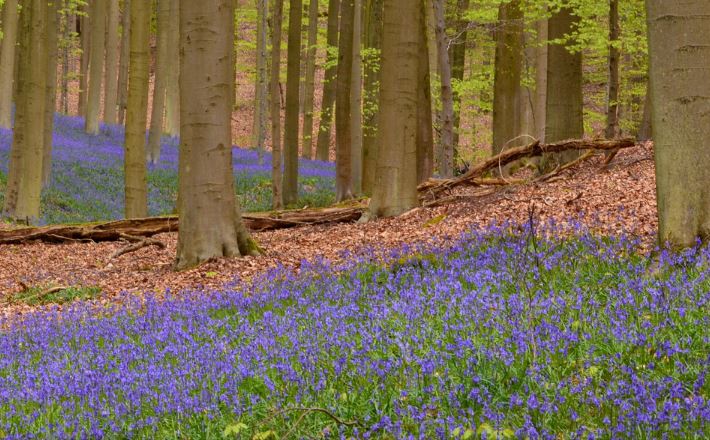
<point x="136" y="245"/>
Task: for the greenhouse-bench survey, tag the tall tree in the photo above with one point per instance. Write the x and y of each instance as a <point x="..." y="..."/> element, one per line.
<point x="446" y="159"/>
<point x="679" y="48"/>
<point x="24" y="183"/>
<point x="136" y="111"/>
<point x="123" y="64"/>
<point x="7" y="61"/>
<point x="51" y="87"/>
<point x="261" y="84"/>
<point x="68" y="26"/>
<point x="373" y="45"/>
<point x="309" y="85"/>
<point x="457" y="55"/>
<point x="508" y="71"/>
<point x="564" y="107"/>
<point x="395" y="188"/>
<point x="329" y="82"/>
<point x="159" y="89"/>
<point x="172" y="98"/>
<point x="210" y="218"/>
<point x="96" y="65"/>
<point x="425" y="129"/>
<point x="112" y="60"/>
<point x="356" y="101"/>
<point x="343" y="129"/>
<point x="612" y="112"/>
<point x="291" y="121"/>
<point x="275" y="104"/>
<point x="85" y="42"/>
<point x="540" y="101"/>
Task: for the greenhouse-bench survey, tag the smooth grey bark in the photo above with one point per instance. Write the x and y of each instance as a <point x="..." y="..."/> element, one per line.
<point x="356" y="101"/>
<point x="329" y="83"/>
<point x="457" y="55"/>
<point x="343" y="119"/>
<point x="96" y="66"/>
<point x="123" y="64"/>
<point x="261" y="83"/>
<point x="425" y="128"/>
<point x="51" y="87"/>
<point x="85" y="42"/>
<point x="446" y="158"/>
<point x="371" y="95"/>
<point x="112" y="60"/>
<point x="612" y="113"/>
<point x="172" y="96"/>
<point x="7" y="61"/>
<point x="291" y="120"/>
<point x="309" y="83"/>
<point x="157" y="117"/>
<point x="275" y="105"/>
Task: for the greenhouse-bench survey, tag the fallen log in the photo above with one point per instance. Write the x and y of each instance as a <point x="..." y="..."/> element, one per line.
<point x="434" y="186"/>
<point x="148" y="227"/>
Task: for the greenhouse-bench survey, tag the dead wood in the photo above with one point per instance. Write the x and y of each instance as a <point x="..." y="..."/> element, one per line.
<point x="136" y="245"/>
<point x="434" y="186"/>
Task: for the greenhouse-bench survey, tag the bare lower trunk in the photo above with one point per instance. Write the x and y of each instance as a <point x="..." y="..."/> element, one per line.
<point x="679" y="48"/>
<point x="123" y="65"/>
<point x="136" y="111"/>
<point x="644" y="133"/>
<point x="7" y="61"/>
<point x="84" y="25"/>
<point x="373" y="44"/>
<point x="356" y="101"/>
<point x="309" y="85"/>
<point x="67" y="31"/>
<point x="329" y="84"/>
<point x="96" y="66"/>
<point x="291" y="120"/>
<point x="343" y="129"/>
<point x="112" y="59"/>
<point x="210" y="217"/>
<point x="172" y="98"/>
<point x="51" y="88"/>
<point x="275" y="103"/>
<point x="260" y="85"/>
<point x="457" y="55"/>
<point x="612" y="112"/>
<point x="446" y="159"/>
<point x="161" y="61"/>
<point x="425" y="129"/>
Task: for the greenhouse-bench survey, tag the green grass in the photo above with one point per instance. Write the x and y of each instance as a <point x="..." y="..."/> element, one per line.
<point x="44" y="295"/>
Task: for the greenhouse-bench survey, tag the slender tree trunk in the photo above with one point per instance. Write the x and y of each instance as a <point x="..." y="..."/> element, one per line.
<point x="373" y="44"/>
<point x="260" y="86"/>
<point x="210" y="216"/>
<point x="540" y="102"/>
<point x="24" y="183"/>
<point x="308" y="144"/>
<point x="644" y="133"/>
<point x="457" y="55"/>
<point x="291" y="120"/>
<point x="275" y="102"/>
<point x="69" y="26"/>
<point x="612" y="113"/>
<point x="425" y="129"/>
<point x="123" y="65"/>
<point x="343" y="130"/>
<point x="172" y="98"/>
<point x="96" y="66"/>
<point x="679" y="48"/>
<point x="112" y="57"/>
<point x="356" y="101"/>
<point x="564" y="114"/>
<point x="85" y="36"/>
<point x="508" y="71"/>
<point x="7" y="61"/>
<point x="158" y="108"/>
<point x="446" y="160"/>
<point x="136" y="110"/>
<point x="51" y="88"/>
<point x="329" y="83"/>
<point x="396" y="175"/>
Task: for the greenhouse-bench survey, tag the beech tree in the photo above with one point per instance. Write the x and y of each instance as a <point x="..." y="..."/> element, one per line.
<point x="7" y="61"/>
<point x="136" y="111"/>
<point x="275" y="104"/>
<point x="172" y="97"/>
<point x="261" y="84"/>
<point x="343" y="121"/>
<point x="96" y="65"/>
<point x="291" y="121"/>
<point x="122" y="97"/>
<point x="210" y="218"/>
<point x="159" y="85"/>
<point x="51" y="88"/>
<point x="371" y="72"/>
<point x="329" y="83"/>
<point x="679" y="49"/>
<point x="446" y="158"/>
<point x="24" y="182"/>
<point x="309" y="82"/>
<point x="112" y="60"/>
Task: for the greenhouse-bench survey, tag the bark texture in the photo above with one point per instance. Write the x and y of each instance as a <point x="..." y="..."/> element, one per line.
<point x="210" y="218"/>
<point x="261" y="84"/>
<point x="343" y="121"/>
<point x="159" y="88"/>
<point x="612" y="112"/>
<point x="457" y="55"/>
<point x="7" y="61"/>
<point x="425" y="128"/>
<point x="275" y="104"/>
<point x="309" y="85"/>
<point x="136" y="111"/>
<point x="51" y="88"/>
<point x="96" y="65"/>
<point x="291" y="120"/>
<point x="122" y="97"/>
<point x="679" y="48"/>
<point x="446" y="159"/>
<point x="356" y="101"/>
<point x="112" y="60"/>
<point x="329" y="83"/>
<point x="371" y="95"/>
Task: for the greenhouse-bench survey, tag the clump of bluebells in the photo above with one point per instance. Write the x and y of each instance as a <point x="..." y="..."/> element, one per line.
<point x="508" y="333"/>
<point x="87" y="177"/>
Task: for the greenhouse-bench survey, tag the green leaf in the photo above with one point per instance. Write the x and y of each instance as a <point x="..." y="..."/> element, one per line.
<point x="487" y="429"/>
<point x="468" y="434"/>
<point x="211" y="274"/>
<point x="266" y="435"/>
<point x="234" y="429"/>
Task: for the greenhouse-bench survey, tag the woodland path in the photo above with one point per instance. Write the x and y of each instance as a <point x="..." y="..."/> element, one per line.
<point x="618" y="200"/>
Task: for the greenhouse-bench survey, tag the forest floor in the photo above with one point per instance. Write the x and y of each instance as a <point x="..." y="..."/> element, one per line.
<point x="615" y="201"/>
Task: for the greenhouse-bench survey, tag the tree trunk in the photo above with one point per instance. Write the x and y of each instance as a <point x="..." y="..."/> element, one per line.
<point x="260" y="86"/>
<point x="446" y="159"/>
<point x="679" y="48"/>
<point x="136" y="110"/>
<point x="396" y="175"/>
<point x="425" y="129"/>
<point x="356" y="101"/>
<point x="508" y="70"/>
<point x="172" y="98"/>
<point x="308" y="151"/>
<point x="644" y="133"/>
<point x="275" y="102"/>
<point x="540" y="102"/>
<point x="85" y="36"/>
<point x="112" y="54"/>
<point x="51" y="88"/>
<point x="161" y="60"/>
<point x="123" y="65"/>
<point x="329" y="83"/>
<point x="373" y="45"/>
<point x="291" y="119"/>
<point x="564" y="109"/>
<point x="343" y="130"/>
<point x="24" y="183"/>
<point x="612" y="113"/>
<point x="96" y="66"/>
<point x="210" y="218"/>
<point x="67" y="32"/>
<point x="7" y="61"/>
<point x="457" y="55"/>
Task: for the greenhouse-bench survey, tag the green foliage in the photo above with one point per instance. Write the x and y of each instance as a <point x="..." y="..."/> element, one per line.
<point x="43" y="295"/>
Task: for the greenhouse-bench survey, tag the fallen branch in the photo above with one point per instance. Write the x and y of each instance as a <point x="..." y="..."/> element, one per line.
<point x="435" y="186"/>
<point x="566" y="166"/>
<point x="136" y="245"/>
